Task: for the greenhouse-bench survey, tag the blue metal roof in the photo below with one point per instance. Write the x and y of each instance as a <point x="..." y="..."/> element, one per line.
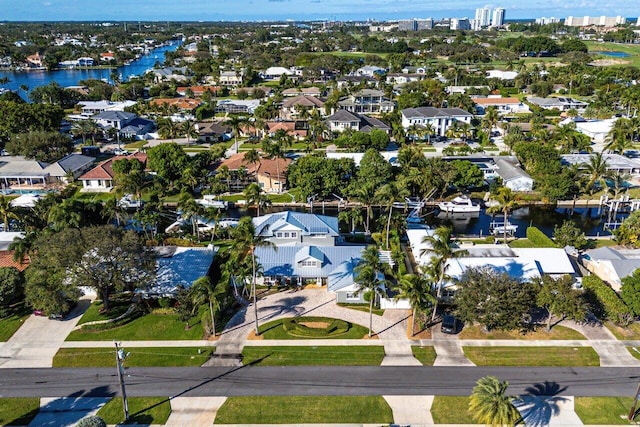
<point x="266" y="225"/>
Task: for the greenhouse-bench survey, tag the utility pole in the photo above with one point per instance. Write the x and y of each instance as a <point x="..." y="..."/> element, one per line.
<point x="120" y="357"/>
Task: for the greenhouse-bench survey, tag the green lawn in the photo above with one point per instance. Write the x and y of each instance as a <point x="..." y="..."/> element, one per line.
<point x="558" y="332"/>
<point x="274" y="331"/>
<point x="147" y="327"/>
<point x="362" y="307"/>
<point x="135" y="145"/>
<point x="117" y="307"/>
<point x="426" y="355"/>
<point x="304" y="409"/>
<point x="451" y="410"/>
<point x="18" y="411"/>
<point x="630" y="332"/>
<point x="532" y="356"/>
<point x="143" y="356"/>
<point x="142" y="410"/>
<point x="603" y="410"/>
<point x="10" y="324"/>
<point x="314" y="356"/>
<point x="633" y="50"/>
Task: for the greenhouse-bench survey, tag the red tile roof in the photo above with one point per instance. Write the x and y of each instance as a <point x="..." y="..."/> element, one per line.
<point x="6" y="260"/>
<point x="265" y="167"/>
<point x="104" y="170"/>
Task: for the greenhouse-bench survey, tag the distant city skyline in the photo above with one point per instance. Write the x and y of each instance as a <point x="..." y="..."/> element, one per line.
<point x="256" y="10"/>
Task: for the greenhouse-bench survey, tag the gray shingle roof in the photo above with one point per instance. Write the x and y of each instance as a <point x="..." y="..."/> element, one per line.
<point x="432" y="112"/>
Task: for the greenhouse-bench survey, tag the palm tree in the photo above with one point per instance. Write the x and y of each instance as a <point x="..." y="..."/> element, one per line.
<point x="273" y="150"/>
<point x="7" y="212"/>
<point x="596" y="172"/>
<point x="506" y="202"/>
<point x="490" y="119"/>
<point x="167" y="128"/>
<point x="252" y="157"/>
<point x="490" y="405"/>
<point x="418" y="290"/>
<point x="254" y="195"/>
<point x="367" y="276"/>
<point x="365" y="194"/>
<point x="389" y="194"/>
<point x="80" y="128"/>
<point x="245" y="242"/>
<point x="188" y="129"/>
<point x="236" y="123"/>
<point x="189" y="210"/>
<point x="620" y="136"/>
<point x="440" y="247"/>
<point x="203" y="291"/>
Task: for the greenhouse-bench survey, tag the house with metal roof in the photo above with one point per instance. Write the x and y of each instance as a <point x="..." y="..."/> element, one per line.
<point x="558" y="103"/>
<point x="513" y="176"/>
<point x="615" y="162"/>
<point x="298" y="228"/>
<point x="612" y="264"/>
<point x="70" y="165"/>
<point x="440" y="119"/>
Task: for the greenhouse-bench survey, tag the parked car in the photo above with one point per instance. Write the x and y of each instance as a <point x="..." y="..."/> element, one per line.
<point x="449" y="324"/>
<point x="120" y="152"/>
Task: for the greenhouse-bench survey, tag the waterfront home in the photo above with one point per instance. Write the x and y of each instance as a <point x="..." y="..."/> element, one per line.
<point x="562" y="103"/>
<point x="101" y="179"/>
<point x="91" y="108"/>
<point x="237" y="106"/>
<point x="612" y="264"/>
<point x="507" y="105"/>
<point x="270" y="174"/>
<point x="367" y="101"/>
<point x="513" y="176"/>
<point x="291" y="107"/>
<point x="615" y="163"/>
<point x="298" y="129"/>
<point x="211" y="132"/>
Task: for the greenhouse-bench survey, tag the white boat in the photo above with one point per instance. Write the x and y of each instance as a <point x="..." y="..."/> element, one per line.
<point x="461" y="204"/>
<point x="498" y="228"/>
<point x="210" y="201"/>
<point x="128" y="201"/>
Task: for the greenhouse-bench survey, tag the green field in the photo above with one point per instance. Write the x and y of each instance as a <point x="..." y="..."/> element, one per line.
<point x="143" y="356"/>
<point x="313" y="356"/>
<point x="532" y="356"/>
<point x="304" y="409"/>
<point x="274" y="331"/>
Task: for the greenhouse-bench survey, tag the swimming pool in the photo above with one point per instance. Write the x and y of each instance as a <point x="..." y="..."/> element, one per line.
<point x="613" y="53"/>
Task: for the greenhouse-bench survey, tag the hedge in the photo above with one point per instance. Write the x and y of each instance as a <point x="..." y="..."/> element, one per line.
<point x="294" y="326"/>
<point x="538" y="239"/>
<point x="614" y="308"/>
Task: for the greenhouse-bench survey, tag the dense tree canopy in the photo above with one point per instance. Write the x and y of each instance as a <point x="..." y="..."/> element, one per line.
<point x="40" y="145"/>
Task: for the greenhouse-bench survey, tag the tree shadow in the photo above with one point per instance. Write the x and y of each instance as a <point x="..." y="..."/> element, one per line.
<point x="540" y="403"/>
<point x="67" y="410"/>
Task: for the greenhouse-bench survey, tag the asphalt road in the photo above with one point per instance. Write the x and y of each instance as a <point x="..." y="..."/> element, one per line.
<point x="329" y="380"/>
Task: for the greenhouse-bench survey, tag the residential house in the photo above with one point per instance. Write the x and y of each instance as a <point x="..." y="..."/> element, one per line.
<point x="85" y="61"/>
<point x="91" y="108"/>
<point x="400" y="79"/>
<point x="237" y="106"/>
<point x="276" y="73"/>
<point x="6" y="255"/>
<point x="596" y="130"/>
<point x="502" y="105"/>
<point x="18" y="173"/>
<point x="178" y="267"/>
<point x="107" y="57"/>
<point x="512" y="175"/>
<point x="615" y="163"/>
<point x="308" y="91"/>
<point x="612" y="264"/>
<point x="440" y="119"/>
<point x="370" y="71"/>
<point x="296" y="228"/>
<point x="212" y="132"/>
<point x="343" y="120"/>
<point x="184" y="105"/>
<point x="231" y="78"/>
<point x="198" y="91"/>
<point x="34" y="61"/>
<point x="70" y="167"/>
<point x="367" y="101"/>
<point x="129" y="125"/>
<point x="270" y="174"/>
<point x="298" y="129"/>
<point x="101" y="179"/>
<point x="502" y="75"/>
<point x="561" y="103"/>
<point x="291" y="106"/>
<point x="350" y="81"/>
<point x="170" y="73"/>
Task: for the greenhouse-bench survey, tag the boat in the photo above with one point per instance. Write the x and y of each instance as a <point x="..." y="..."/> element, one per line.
<point x="460" y="204"/>
<point x="410" y="202"/>
<point x="210" y="201"/>
<point x="499" y="228"/>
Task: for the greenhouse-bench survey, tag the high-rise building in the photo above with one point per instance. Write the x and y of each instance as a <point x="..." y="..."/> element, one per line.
<point x="498" y="17"/>
<point x="483" y="18"/>
<point x="425" y="24"/>
<point x="407" y="25"/>
<point x="544" y="20"/>
<point x="599" y="21"/>
<point x="459" y="24"/>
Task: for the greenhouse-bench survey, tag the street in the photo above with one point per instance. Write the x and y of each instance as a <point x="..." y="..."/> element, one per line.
<point x="326" y="380"/>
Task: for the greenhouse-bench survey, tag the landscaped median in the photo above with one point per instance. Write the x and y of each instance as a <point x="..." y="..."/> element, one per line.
<point x="532" y="356"/>
<point x="305" y="409"/>
<point x="305" y="328"/>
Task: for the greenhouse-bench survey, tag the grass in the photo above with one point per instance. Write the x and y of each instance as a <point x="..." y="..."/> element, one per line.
<point x="147" y="327"/>
<point x="532" y="356"/>
<point x="18" y="410"/>
<point x="522" y="243"/>
<point x="451" y="410"/>
<point x="600" y="243"/>
<point x="274" y="331"/>
<point x="304" y="409"/>
<point x="631" y="332"/>
<point x="314" y="356"/>
<point x="425" y="355"/>
<point x="10" y="324"/>
<point x="632" y="50"/>
<point x="142" y="410"/>
<point x="362" y="307"/>
<point x="135" y="145"/>
<point x="117" y="307"/>
<point x="603" y="410"/>
<point x="144" y="356"/>
<point x="473" y="332"/>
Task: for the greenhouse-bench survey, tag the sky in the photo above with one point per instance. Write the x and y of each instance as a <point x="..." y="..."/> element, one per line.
<point x="256" y="10"/>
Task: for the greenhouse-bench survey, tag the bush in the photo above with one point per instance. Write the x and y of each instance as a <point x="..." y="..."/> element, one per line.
<point x="164" y="302"/>
<point x="538" y="239"/>
<point x="294" y="326"/>
<point x="614" y="308"/>
<point x="91" y="421"/>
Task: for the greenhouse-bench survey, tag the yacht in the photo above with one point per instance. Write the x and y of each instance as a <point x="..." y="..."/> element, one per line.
<point x="461" y="204"/>
<point x="210" y="201"/>
<point x="499" y="228"/>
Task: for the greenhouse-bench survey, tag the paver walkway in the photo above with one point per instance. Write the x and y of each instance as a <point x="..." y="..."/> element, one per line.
<point x="39" y="339"/>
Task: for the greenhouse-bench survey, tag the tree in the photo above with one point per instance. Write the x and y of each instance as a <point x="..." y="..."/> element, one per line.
<point x="245" y="242"/>
<point x="558" y="297"/>
<point x="389" y="194"/>
<point x="490" y="119"/>
<point x="188" y="129"/>
<point x="569" y="235"/>
<point x="368" y="274"/>
<point x="129" y="176"/>
<point x="40" y="145"/>
<point x="440" y="247"/>
<point x="620" y="136"/>
<point x="596" y="171"/>
<point x="489" y="404"/>
<point x="167" y="129"/>
<point x="11" y="286"/>
<point x="629" y="232"/>
<point x="168" y="160"/>
<point x="418" y="290"/>
<point x="236" y="123"/>
<point x="255" y="197"/>
<point x="493" y="299"/>
<point x="7" y="212"/>
<point x="631" y="292"/>
<point x="201" y="291"/>
<point x="506" y="202"/>
<point x="190" y="210"/>
<point x="374" y="170"/>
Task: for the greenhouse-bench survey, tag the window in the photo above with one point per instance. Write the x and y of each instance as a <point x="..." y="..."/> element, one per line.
<point x="286" y="234"/>
<point x="309" y="263"/>
<point x="294" y="235"/>
<point x="353" y="296"/>
<point x="279" y="234"/>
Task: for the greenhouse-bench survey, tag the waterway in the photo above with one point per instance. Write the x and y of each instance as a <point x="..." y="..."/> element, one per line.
<point x="68" y="77"/>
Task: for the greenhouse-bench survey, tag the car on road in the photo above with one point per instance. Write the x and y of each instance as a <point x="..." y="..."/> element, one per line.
<point x="449" y="324"/>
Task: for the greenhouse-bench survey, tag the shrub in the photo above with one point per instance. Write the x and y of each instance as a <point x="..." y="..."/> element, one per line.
<point x="91" y="421"/>
<point x="164" y="302"/>
<point x="294" y="326"/>
<point x="538" y="239"/>
<point x="614" y="308"/>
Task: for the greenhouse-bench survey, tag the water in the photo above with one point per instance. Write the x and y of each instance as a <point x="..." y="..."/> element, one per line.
<point x="614" y="53"/>
<point x="33" y="79"/>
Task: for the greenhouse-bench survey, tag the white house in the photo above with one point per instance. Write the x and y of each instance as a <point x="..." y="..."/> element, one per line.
<point x="502" y="105"/>
<point x="502" y="75"/>
<point x="513" y="176"/>
<point x="612" y="264"/>
<point x="441" y="119"/>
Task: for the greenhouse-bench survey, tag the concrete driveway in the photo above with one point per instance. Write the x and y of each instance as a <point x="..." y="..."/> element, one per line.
<point x="39" y="339"/>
